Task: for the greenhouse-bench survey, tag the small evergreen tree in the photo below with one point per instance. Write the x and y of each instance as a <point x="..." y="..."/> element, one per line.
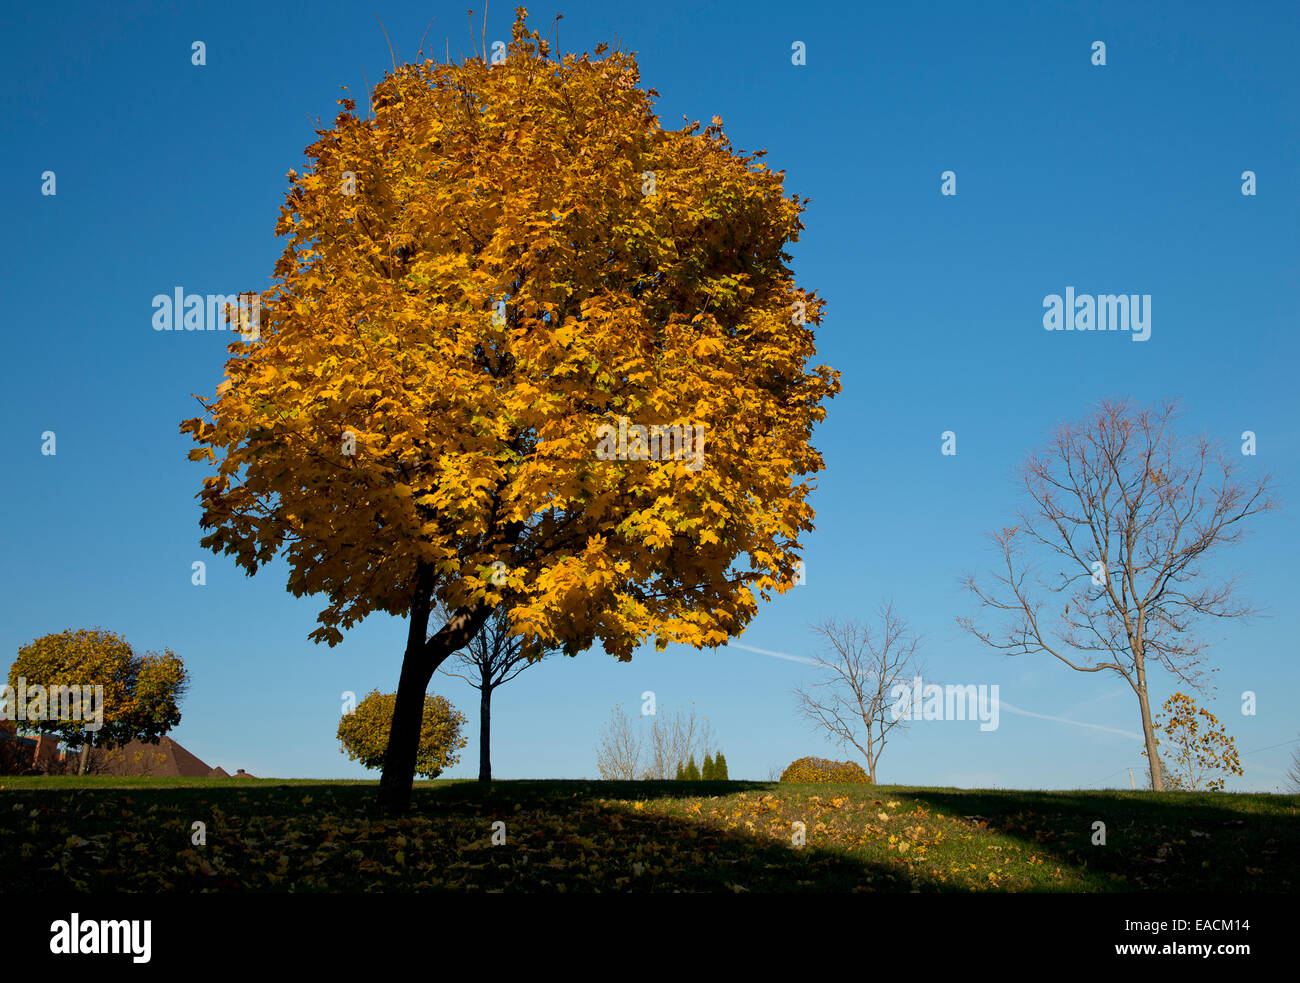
<point x="692" y="770"/>
<point x="681" y="772"/>
<point x="706" y="772"/>
<point x="720" y="769"/>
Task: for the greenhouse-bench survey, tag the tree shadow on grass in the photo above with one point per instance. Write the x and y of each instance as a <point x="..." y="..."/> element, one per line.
<point x="604" y="836"/>
<point x="578" y="836"/>
<point x="1153" y="841"/>
<point x="1190" y="842"/>
<point x="570" y="837"/>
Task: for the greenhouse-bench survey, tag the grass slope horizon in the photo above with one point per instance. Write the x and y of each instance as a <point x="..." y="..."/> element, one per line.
<point x="107" y="834"/>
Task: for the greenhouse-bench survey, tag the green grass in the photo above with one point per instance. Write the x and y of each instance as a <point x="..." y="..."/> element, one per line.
<point x="113" y="834"/>
<point x="71" y="782"/>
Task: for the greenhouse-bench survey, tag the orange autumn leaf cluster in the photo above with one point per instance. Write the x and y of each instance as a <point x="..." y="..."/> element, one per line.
<point x="476" y="279"/>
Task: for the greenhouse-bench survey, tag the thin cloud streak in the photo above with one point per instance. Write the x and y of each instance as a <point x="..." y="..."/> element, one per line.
<point x="775" y="655"/>
<point x="1002" y="704"/>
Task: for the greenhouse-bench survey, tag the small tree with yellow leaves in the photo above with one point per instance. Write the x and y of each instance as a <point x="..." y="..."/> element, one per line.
<point x="1200" y="748"/>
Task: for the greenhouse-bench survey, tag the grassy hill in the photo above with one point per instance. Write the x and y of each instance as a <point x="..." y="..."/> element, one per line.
<point x="113" y="834"/>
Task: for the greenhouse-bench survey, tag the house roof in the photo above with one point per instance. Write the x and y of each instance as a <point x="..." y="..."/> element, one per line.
<point x="166" y="759"/>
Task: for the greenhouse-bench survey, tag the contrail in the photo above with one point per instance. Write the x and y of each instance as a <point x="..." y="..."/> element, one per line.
<point x="1002" y="704"/>
<point x="775" y="655"/>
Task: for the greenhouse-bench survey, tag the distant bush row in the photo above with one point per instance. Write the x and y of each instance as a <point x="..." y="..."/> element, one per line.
<point x="714" y="770"/>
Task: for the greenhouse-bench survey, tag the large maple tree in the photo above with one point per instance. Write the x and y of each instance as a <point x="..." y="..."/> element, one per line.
<point x="482" y="272"/>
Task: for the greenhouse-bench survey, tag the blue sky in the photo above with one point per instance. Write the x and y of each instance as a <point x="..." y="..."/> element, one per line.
<point x="1117" y="178"/>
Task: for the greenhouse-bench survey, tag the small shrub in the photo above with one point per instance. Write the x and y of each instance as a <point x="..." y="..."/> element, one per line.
<point x="825" y="770"/>
<point x="364" y="733"/>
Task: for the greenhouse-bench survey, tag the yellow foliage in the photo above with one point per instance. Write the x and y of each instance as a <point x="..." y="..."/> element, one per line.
<point x="824" y="770"/>
<point x="440" y="348"/>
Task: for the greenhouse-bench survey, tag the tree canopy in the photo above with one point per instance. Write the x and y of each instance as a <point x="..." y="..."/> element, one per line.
<point x="499" y="265"/>
<point x="140" y="697"/>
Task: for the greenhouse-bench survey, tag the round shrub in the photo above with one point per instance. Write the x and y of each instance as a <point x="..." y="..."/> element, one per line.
<point x="364" y="733"/>
<point x="825" y="770"/>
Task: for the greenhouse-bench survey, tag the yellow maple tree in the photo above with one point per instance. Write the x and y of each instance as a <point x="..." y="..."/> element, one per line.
<point x="483" y="272"/>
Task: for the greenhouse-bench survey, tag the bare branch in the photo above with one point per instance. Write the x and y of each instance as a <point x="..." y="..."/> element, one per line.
<point x="852" y="702"/>
<point x="1124" y="510"/>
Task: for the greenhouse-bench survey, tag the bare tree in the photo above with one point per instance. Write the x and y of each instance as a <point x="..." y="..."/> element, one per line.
<point x="618" y="755"/>
<point x="852" y="703"/>
<point x="673" y="739"/>
<point x="492" y="658"/>
<point x="1125" y="511"/>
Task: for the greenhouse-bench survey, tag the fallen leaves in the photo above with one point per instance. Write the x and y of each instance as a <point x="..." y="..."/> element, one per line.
<point x="576" y="838"/>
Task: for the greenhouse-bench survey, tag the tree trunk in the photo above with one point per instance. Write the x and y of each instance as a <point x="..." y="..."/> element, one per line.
<point x="421" y="660"/>
<point x="85" y="757"/>
<point x="408" y="708"/>
<point x="404" y="735"/>
<point x="1149" y="731"/>
<point x="485" y="732"/>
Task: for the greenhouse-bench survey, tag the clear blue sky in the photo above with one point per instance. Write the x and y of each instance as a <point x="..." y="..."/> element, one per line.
<point x="1122" y="178"/>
